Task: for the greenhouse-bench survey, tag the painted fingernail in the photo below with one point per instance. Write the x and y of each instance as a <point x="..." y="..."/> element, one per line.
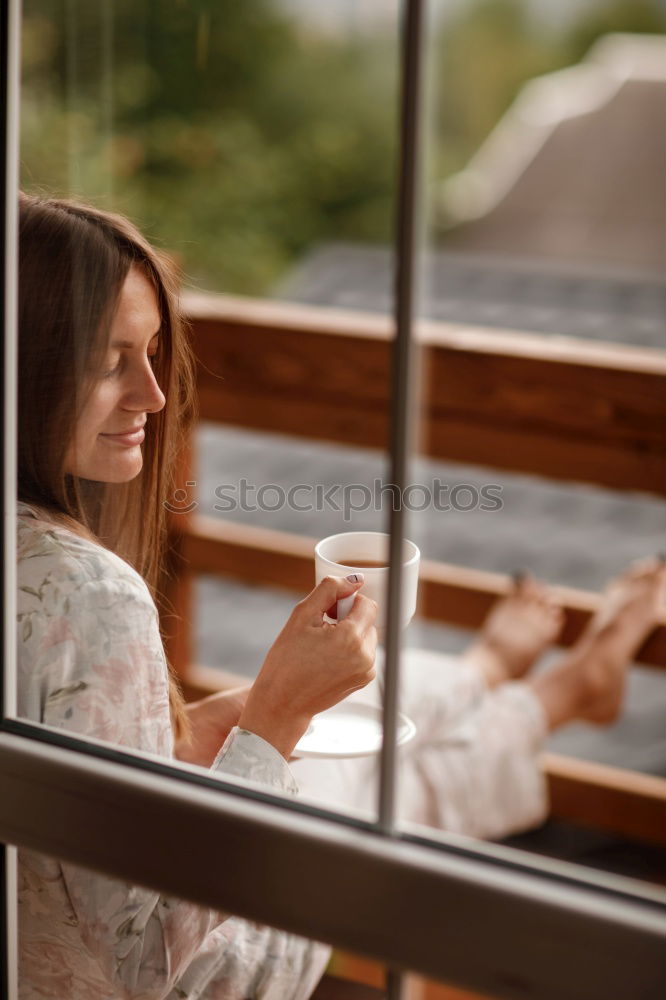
<point x="355" y="578"/>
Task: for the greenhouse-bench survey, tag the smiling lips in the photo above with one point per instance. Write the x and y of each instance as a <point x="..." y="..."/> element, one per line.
<point x="130" y="437"/>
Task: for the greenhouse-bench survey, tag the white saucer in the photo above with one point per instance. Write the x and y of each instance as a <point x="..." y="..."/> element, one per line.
<point x="349" y="729"/>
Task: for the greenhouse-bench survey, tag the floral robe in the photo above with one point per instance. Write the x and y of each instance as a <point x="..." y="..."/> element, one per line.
<point x="91" y="662"/>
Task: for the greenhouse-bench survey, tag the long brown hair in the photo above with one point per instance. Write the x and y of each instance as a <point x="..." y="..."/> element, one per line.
<point x="73" y="261"/>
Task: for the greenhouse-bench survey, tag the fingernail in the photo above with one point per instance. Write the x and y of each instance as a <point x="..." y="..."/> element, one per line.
<point x="355" y="578"/>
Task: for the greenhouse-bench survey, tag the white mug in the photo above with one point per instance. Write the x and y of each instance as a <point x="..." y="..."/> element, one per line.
<point x="340" y="555"/>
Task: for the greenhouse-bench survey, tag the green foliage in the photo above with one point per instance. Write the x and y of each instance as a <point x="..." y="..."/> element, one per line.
<point x="492" y="47"/>
<point x="230" y="137"/>
<point x="482" y="59"/>
<point x="640" y="16"/>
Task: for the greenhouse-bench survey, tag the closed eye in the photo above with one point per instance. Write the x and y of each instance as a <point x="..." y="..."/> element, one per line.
<point x="111" y="371"/>
<point x="114" y="371"/>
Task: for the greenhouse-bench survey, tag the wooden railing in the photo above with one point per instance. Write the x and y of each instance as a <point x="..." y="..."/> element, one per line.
<point x="558" y="407"/>
<point x="561" y="408"/>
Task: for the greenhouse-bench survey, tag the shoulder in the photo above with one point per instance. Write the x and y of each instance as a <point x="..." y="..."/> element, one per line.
<point x="89" y="652"/>
<point x="54" y="564"/>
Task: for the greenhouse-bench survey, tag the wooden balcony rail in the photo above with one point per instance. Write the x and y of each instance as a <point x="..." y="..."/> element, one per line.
<point x="360" y="981"/>
<point x="607" y="798"/>
<point x="447" y="593"/>
<point x="350" y="967"/>
<point x="554" y="406"/>
<point x="336" y="988"/>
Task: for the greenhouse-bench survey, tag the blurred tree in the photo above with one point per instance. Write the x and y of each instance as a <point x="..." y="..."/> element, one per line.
<point x="230" y="136"/>
<point x="482" y="57"/>
<point x="614" y="15"/>
<point x="238" y="138"/>
<point x="490" y="48"/>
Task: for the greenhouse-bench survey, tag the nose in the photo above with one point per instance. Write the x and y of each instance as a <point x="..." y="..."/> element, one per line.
<point x="145" y="393"/>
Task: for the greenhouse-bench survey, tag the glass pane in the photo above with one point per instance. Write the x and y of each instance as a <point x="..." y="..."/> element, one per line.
<point x="491" y="673"/>
<point x="254" y="143"/>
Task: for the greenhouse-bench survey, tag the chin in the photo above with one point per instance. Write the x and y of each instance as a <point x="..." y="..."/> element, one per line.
<point x="126" y="474"/>
<point x="124" y="479"/>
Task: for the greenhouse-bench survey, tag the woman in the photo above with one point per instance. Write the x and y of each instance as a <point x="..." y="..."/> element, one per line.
<point x="105" y="399"/>
<point x="104" y="365"/>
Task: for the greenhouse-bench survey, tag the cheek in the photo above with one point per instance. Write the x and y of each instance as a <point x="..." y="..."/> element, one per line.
<point x="95" y="416"/>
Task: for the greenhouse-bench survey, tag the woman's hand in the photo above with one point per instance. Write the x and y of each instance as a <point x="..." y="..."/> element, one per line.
<point x="211" y="720"/>
<point x="312" y="664"/>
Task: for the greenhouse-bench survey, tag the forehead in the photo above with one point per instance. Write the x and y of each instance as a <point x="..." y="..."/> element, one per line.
<point x="137" y="318"/>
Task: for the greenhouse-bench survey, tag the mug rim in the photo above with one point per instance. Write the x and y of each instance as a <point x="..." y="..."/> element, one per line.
<point x="416" y="555"/>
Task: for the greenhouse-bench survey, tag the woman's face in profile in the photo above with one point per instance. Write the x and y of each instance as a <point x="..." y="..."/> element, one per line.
<point x="107" y="443"/>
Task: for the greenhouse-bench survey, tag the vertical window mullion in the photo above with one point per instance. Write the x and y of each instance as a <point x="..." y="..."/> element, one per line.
<point x="402" y="379"/>
<point x="402" y="418"/>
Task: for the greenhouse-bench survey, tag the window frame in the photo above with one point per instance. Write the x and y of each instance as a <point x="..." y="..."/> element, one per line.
<point x="544" y="933"/>
<point x="86" y="805"/>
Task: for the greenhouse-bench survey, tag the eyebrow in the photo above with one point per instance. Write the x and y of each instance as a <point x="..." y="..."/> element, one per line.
<point x="129" y="344"/>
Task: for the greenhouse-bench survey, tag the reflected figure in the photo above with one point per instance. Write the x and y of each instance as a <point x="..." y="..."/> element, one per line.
<point x="106" y="395"/>
<point x="473" y="767"/>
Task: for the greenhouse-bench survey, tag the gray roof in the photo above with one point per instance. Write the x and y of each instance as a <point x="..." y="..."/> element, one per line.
<point x="574" y="172"/>
<point x="514" y="293"/>
<point x="594" y="192"/>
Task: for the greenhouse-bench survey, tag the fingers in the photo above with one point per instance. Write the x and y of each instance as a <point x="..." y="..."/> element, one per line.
<point x="370" y="647"/>
<point x="649" y="566"/>
<point x="363" y="613"/>
<point x="651" y="573"/>
<point x="326" y="594"/>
